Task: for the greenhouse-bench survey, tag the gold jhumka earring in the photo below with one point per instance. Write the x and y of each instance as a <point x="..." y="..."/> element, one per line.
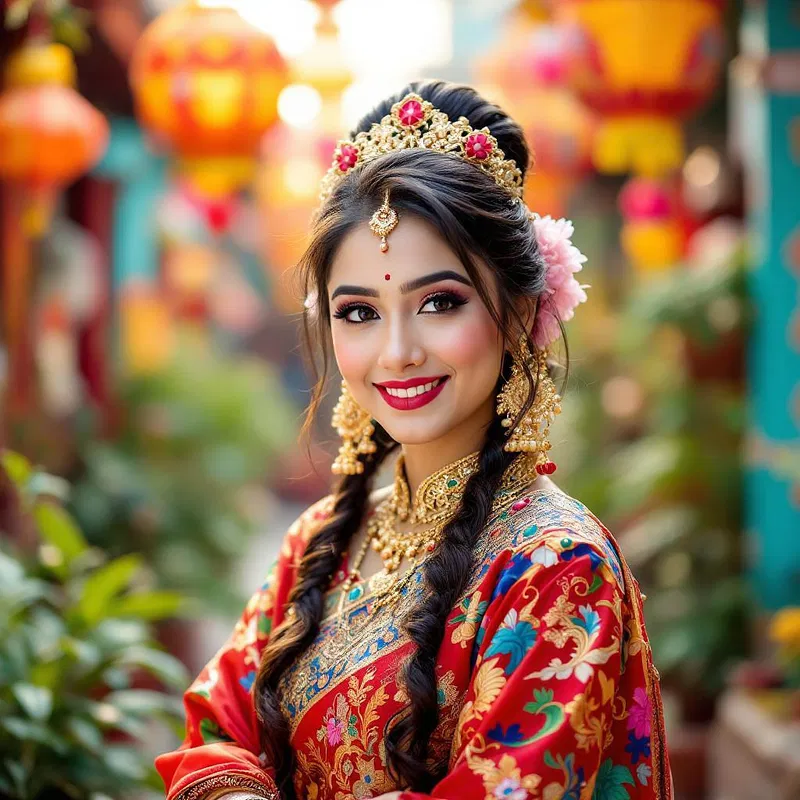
<point x="531" y="432"/>
<point x="355" y="427"/>
<point x="383" y="222"/>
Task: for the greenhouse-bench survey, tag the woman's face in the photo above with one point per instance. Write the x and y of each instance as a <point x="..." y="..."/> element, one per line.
<point x="412" y="337"/>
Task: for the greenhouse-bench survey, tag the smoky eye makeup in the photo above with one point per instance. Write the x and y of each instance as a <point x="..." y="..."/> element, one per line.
<point x="450" y="299"/>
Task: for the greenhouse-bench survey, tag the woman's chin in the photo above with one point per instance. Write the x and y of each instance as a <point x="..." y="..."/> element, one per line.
<point x="415" y="434"/>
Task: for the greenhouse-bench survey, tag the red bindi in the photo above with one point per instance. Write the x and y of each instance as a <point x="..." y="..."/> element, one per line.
<point x="387" y="277"/>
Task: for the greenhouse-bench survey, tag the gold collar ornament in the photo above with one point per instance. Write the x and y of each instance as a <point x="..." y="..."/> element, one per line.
<point x="435" y="503"/>
<point x="415" y="123"/>
<point x="383" y="222"/>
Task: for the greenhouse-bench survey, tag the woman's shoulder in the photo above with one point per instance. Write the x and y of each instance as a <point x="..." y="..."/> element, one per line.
<point x="306" y="524"/>
<point x="548" y="525"/>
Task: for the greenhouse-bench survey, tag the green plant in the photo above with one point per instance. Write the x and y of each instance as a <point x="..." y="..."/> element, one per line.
<point x="680" y="483"/>
<point x="653" y="429"/>
<point x="181" y="480"/>
<point x="75" y="651"/>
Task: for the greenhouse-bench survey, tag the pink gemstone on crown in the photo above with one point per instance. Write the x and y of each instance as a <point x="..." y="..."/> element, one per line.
<point x="411" y="113"/>
<point x="347" y="157"/>
<point x="478" y="146"/>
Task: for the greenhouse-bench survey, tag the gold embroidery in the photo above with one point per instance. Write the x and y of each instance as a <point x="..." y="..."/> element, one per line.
<point x="228" y="781"/>
<point x="504" y="776"/>
<point x="347" y="741"/>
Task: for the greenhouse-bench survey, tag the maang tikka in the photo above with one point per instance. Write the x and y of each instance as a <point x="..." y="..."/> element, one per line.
<point x="383" y="222"/>
<point x="531" y="433"/>
<point x="354" y="426"/>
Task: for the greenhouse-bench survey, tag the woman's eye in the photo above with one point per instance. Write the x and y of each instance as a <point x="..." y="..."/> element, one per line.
<point x="356" y="314"/>
<point x="443" y="302"/>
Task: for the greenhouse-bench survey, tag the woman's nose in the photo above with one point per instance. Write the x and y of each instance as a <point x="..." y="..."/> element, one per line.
<point x="400" y="348"/>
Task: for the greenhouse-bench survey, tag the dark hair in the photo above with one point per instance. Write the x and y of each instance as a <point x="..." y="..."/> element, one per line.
<point x="478" y="220"/>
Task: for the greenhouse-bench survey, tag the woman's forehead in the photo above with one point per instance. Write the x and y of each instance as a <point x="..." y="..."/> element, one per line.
<point x="414" y="247"/>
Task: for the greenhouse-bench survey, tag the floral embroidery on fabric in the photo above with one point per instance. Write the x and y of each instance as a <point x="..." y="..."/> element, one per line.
<point x="473" y="609"/>
<point x="545" y="683"/>
<point x="347" y="741"/>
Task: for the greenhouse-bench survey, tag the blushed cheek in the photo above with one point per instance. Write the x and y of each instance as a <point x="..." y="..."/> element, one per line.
<point x="353" y="357"/>
<point x="473" y="344"/>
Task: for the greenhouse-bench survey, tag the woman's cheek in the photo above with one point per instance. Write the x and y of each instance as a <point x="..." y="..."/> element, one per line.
<point x="352" y="357"/>
<point x="468" y="343"/>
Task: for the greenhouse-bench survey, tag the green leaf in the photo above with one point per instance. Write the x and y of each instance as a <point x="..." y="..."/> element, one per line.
<point x="17" y="467"/>
<point x="125" y="762"/>
<point x="142" y="702"/>
<point x="543" y="697"/>
<point x="28" y="730"/>
<point x="18" y="774"/>
<point x="163" y="666"/>
<point x="104" y="585"/>
<point x="36" y="701"/>
<point x="86" y="734"/>
<point x="146" y="605"/>
<point x="611" y="780"/>
<point x="58" y="529"/>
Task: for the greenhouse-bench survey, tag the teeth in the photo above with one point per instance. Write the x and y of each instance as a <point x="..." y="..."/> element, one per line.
<point x="414" y="390"/>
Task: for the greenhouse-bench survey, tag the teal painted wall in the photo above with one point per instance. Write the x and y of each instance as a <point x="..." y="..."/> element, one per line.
<point x="772" y="155"/>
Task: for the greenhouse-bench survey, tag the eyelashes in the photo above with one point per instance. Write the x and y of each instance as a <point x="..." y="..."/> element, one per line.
<point x="451" y="298"/>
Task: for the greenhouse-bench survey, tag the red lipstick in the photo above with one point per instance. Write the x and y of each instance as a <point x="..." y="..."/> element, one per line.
<point x="411" y="403"/>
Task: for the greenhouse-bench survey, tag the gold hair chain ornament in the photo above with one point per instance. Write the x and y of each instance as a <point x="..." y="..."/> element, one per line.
<point x="383" y="222"/>
<point x="415" y="123"/>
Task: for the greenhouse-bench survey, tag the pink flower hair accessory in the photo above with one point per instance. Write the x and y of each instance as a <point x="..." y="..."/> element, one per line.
<point x="563" y="294"/>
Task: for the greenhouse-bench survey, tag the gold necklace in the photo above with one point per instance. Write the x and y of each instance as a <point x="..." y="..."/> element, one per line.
<point x="435" y="503"/>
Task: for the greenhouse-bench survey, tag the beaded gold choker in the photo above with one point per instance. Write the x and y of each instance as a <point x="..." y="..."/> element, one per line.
<point x="415" y="123"/>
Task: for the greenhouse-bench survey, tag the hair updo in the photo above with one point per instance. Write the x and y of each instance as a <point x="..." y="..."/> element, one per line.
<point x="479" y="221"/>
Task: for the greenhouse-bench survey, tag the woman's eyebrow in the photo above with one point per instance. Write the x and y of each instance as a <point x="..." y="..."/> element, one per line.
<point x="361" y="290"/>
<point x="434" y="277"/>
<point x="405" y="288"/>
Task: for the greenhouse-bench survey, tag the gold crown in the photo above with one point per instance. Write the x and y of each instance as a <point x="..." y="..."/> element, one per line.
<point x="414" y="122"/>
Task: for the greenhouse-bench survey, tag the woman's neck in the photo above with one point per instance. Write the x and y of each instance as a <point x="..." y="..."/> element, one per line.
<point x="422" y="460"/>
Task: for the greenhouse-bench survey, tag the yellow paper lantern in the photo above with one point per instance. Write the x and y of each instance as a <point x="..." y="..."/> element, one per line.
<point x="642" y="65"/>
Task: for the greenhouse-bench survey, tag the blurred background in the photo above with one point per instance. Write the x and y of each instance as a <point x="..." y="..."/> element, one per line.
<point x="159" y="162"/>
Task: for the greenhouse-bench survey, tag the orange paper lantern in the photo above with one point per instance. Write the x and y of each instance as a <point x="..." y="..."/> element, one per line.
<point x="206" y="85"/>
<point x="49" y="134"/>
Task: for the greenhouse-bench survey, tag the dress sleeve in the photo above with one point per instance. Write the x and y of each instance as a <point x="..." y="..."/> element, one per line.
<point x="539" y="708"/>
<point x="222" y="750"/>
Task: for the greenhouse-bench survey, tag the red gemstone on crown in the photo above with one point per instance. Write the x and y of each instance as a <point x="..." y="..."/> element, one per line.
<point x="347" y="157"/>
<point x="411" y="113"/>
<point x="478" y="146"/>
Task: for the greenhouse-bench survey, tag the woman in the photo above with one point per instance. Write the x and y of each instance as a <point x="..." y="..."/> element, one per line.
<point x="470" y="630"/>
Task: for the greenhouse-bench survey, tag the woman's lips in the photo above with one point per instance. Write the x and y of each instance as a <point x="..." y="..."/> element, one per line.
<point x="410" y="403"/>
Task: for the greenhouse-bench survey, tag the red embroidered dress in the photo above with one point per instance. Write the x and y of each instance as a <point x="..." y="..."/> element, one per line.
<point x="546" y="684"/>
